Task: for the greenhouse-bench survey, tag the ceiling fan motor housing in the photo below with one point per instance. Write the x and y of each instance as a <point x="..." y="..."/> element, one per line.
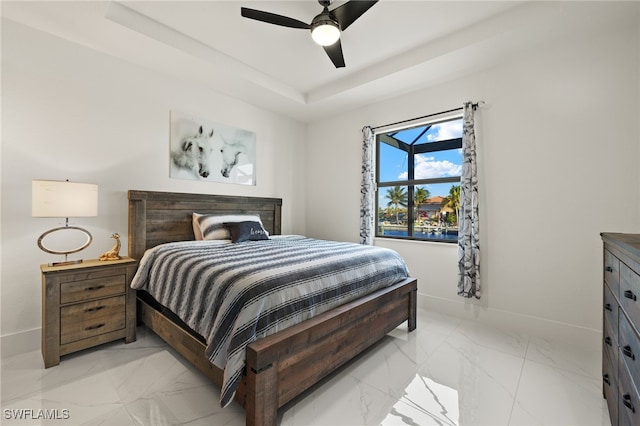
<point x="325" y="28"/>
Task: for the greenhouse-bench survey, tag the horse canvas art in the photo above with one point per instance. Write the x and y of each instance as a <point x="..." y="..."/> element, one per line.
<point x="194" y="153"/>
<point x="204" y="150"/>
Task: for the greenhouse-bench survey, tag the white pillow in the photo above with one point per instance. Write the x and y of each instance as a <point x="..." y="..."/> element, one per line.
<point x="211" y="226"/>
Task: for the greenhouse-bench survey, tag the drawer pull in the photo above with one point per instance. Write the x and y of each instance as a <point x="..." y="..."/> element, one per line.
<point x="98" y="287"/>
<point x="629" y="295"/>
<point x="605" y="379"/>
<point x="97" y="308"/>
<point x="607" y="340"/>
<point x="608" y="269"/>
<point x="94" y="327"/>
<point x="608" y="307"/>
<point x="626" y="400"/>
<point x="628" y="352"/>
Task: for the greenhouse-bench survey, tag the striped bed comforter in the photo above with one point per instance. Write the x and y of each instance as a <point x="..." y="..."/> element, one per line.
<point x="232" y="294"/>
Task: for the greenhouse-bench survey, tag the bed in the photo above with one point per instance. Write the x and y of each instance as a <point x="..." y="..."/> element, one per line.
<point x="280" y="366"/>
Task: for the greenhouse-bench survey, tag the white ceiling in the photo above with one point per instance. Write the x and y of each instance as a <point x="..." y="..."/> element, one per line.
<point x="395" y="47"/>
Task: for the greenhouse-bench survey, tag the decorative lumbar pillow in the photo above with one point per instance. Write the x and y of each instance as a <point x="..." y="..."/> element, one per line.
<point x="246" y="231"/>
<point x="211" y="226"/>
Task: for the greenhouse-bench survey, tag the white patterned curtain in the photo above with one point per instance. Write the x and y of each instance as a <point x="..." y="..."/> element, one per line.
<point x="468" y="222"/>
<point x="367" y="188"/>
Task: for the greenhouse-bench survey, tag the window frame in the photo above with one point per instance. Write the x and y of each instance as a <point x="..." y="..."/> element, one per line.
<point x="413" y="149"/>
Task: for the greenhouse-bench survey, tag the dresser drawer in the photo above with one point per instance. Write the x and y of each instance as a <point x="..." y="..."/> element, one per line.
<point x="610" y="348"/>
<point x="630" y="293"/>
<point x="84" y="320"/>
<point x="77" y="291"/>
<point x="628" y="400"/>
<point x="610" y="386"/>
<point x="629" y="347"/>
<point x="610" y="313"/>
<point x="612" y="271"/>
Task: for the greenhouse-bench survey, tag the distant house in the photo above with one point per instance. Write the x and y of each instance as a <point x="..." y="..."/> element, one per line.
<point x="433" y="208"/>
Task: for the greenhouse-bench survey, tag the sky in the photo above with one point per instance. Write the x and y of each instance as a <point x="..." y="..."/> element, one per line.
<point x="393" y="162"/>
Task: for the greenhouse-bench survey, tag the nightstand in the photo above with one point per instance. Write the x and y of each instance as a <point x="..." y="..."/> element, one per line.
<point x="85" y="305"/>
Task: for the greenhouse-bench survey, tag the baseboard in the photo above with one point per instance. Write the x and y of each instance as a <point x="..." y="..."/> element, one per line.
<point x="533" y="326"/>
<point x="27" y="341"/>
<point x="19" y="343"/>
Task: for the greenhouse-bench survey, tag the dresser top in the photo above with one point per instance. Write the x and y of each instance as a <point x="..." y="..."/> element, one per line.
<point x="90" y="263"/>
<point x="627" y="242"/>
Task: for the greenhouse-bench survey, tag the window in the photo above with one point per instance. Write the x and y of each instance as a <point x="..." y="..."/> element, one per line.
<point x="418" y="171"/>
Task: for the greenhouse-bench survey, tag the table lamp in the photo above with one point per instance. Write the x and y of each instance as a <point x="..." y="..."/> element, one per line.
<point x="51" y="198"/>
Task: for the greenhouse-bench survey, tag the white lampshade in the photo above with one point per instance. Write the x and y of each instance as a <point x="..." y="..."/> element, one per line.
<point x="325" y="34"/>
<point x="51" y="198"/>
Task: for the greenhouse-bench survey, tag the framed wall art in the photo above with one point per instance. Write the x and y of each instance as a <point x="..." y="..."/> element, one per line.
<point x="202" y="149"/>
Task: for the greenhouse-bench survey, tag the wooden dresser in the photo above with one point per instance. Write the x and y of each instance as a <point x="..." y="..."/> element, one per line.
<point x="621" y="327"/>
<point x="86" y="304"/>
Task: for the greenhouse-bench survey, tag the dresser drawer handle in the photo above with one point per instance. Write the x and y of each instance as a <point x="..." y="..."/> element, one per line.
<point x="629" y="295"/>
<point x="626" y="400"/>
<point x="98" y="287"/>
<point x="94" y="327"/>
<point x="607" y="340"/>
<point x="628" y="352"/>
<point x="605" y="379"/>
<point x="97" y="308"/>
<point x="608" y="269"/>
<point x="608" y="307"/>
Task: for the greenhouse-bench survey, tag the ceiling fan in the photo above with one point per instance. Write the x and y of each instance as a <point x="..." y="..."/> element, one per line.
<point x="325" y="27"/>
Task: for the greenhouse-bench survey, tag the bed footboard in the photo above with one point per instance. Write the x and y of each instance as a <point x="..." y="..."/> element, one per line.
<point x="282" y="366"/>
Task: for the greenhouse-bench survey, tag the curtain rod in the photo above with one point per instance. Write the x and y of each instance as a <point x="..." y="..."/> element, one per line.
<point x="474" y="105"/>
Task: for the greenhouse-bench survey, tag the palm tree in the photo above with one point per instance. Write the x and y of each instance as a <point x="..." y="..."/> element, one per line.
<point x="452" y="201"/>
<point x="397" y="197"/>
<point x="420" y="196"/>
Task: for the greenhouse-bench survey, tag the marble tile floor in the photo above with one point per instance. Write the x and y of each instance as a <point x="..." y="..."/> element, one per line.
<point x="449" y="372"/>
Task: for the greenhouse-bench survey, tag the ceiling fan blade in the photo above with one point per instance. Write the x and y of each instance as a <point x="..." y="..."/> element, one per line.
<point x="272" y="18"/>
<point x="335" y="54"/>
<point x="350" y="11"/>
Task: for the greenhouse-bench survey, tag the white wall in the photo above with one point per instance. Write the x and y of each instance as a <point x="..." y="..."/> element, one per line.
<point x="69" y="112"/>
<point x="558" y="145"/>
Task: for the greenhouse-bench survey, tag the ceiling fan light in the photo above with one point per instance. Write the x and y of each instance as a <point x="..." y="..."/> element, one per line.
<point x="325" y="34"/>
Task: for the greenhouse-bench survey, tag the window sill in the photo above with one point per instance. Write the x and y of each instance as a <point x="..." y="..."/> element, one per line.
<point x="444" y="243"/>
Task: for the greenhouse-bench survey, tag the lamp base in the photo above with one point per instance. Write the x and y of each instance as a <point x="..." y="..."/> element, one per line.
<point x="66" y="262"/>
<point x="65" y="252"/>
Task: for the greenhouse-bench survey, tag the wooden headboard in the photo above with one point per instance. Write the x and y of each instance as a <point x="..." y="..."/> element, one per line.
<point x="162" y="217"/>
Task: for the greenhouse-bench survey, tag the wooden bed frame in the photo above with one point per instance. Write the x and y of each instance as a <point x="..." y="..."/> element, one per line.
<point x="281" y="366"/>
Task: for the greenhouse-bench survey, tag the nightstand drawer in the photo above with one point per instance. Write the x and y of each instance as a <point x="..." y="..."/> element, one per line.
<point x="91" y="319"/>
<point x="77" y="291"/>
<point x="88" y="311"/>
